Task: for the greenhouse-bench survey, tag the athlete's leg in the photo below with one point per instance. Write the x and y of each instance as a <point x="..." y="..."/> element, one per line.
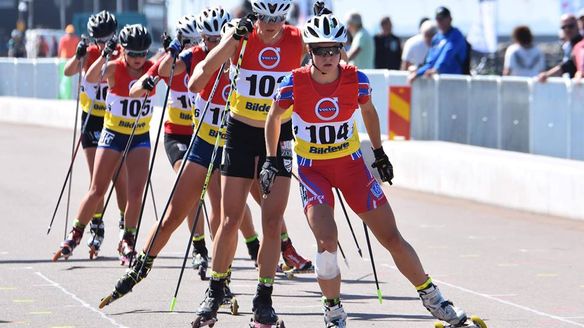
<point x="232" y="208"/>
<point x="183" y="201"/>
<point x="214" y="195"/>
<point x="137" y="159"/>
<point x="122" y="189"/>
<point x="106" y="162"/>
<point x="273" y="209"/>
<point x="322" y="223"/>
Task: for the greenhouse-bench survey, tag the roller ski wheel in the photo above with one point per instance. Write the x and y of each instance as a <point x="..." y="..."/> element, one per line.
<point x="255" y="324"/>
<point x="233" y="306"/>
<point x="476" y="322"/>
<point x="291" y="272"/>
<point x="202" y="322"/>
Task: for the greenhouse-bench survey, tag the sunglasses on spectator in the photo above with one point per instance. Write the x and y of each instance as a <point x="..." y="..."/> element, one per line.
<point x="212" y="39"/>
<point x="568" y="26"/>
<point x="137" y="54"/>
<point x="271" y="19"/>
<point x="326" y="51"/>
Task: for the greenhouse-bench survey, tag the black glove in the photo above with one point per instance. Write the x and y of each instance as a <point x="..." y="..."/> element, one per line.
<point x="244" y="27"/>
<point x="166" y="40"/>
<point x="320" y="9"/>
<point x="149" y="83"/>
<point x="268" y="174"/>
<point x="110" y="47"/>
<point x="81" y="49"/>
<point x="382" y="165"/>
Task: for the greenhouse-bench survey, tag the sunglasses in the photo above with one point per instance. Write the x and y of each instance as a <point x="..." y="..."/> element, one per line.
<point x="326" y="51"/>
<point x="137" y="54"/>
<point x="212" y="39"/>
<point x="568" y="26"/>
<point x="271" y="19"/>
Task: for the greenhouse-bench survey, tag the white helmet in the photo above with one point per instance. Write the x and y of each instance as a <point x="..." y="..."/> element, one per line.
<point x="324" y="28"/>
<point x="211" y="20"/>
<point x="229" y="25"/>
<point x="187" y="27"/>
<point x="271" y="7"/>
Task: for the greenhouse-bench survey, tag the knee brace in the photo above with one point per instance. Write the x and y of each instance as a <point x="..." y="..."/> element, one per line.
<point x="326" y="266"/>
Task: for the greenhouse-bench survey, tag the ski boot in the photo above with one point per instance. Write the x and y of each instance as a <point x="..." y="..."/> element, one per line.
<point x="444" y="310"/>
<point x="126" y="248"/>
<point x="139" y="270"/>
<point x="293" y="262"/>
<point x="253" y="248"/>
<point x="69" y="244"/>
<point x="97" y="230"/>
<point x="334" y="314"/>
<point x="264" y="315"/>
<point x="207" y="312"/>
<point x="200" y="259"/>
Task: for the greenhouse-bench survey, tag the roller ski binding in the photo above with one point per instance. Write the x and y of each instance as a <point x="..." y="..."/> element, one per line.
<point x="293" y="262"/>
<point x="133" y="276"/>
<point x="200" y="259"/>
<point x="126" y="248"/>
<point x="264" y="315"/>
<point x="444" y="310"/>
<point x="207" y="312"/>
<point x="97" y="230"/>
<point x="334" y="314"/>
<point x="69" y="244"/>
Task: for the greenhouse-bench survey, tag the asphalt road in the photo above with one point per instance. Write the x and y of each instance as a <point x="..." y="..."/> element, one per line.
<point x="512" y="268"/>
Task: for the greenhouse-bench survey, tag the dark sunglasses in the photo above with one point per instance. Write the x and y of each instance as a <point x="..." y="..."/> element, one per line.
<point x="271" y="19"/>
<point x="568" y="26"/>
<point x="212" y="39"/>
<point x="137" y="54"/>
<point x="326" y="51"/>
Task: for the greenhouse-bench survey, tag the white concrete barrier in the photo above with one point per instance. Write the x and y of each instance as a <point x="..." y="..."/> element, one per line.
<point x="522" y="181"/>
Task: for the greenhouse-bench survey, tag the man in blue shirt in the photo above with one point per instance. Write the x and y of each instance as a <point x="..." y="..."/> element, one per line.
<point x="448" y="52"/>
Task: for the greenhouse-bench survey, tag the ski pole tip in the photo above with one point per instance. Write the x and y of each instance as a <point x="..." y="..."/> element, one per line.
<point x="379" y="296"/>
<point x="172" y="304"/>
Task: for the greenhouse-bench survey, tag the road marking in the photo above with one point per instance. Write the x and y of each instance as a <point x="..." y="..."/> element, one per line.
<point x="80" y="301"/>
<point x="41" y="312"/>
<point x="7" y="288"/>
<point x="23" y="301"/>
<point x="493" y="298"/>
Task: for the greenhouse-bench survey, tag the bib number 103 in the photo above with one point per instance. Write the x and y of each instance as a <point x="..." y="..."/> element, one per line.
<point x="132" y="107"/>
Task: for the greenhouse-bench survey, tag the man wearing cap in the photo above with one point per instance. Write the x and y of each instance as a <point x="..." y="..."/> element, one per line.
<point x="448" y="52"/>
<point x="68" y="43"/>
<point x="361" y="52"/>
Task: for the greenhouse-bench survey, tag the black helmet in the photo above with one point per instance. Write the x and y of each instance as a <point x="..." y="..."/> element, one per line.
<point x="135" y="38"/>
<point x="102" y="24"/>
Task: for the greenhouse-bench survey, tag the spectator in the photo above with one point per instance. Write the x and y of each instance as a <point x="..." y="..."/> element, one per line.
<point x="416" y="48"/>
<point x="522" y="58"/>
<point x="361" y="52"/>
<point x="16" y="45"/>
<point x="578" y="57"/>
<point x="581" y="21"/>
<point x="68" y="43"/>
<point x="449" y="49"/>
<point x="42" y="47"/>
<point x="387" y="47"/>
<point x="569" y="26"/>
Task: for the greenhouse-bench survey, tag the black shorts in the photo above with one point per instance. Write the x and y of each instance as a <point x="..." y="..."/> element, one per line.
<point x="245" y="143"/>
<point x="176" y="146"/>
<point x="90" y="137"/>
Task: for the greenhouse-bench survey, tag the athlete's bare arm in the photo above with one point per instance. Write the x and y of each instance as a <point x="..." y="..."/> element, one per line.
<point x="206" y="68"/>
<point x="72" y="66"/>
<point x="166" y="66"/>
<point x="272" y="130"/>
<point x="371" y="121"/>
<point x="94" y="72"/>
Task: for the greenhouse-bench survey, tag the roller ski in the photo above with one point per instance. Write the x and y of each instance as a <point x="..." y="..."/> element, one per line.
<point x="97" y="230"/>
<point x="133" y="276"/>
<point x="67" y="246"/>
<point x="293" y="263"/>
<point x="200" y="259"/>
<point x="126" y="248"/>
<point x="264" y="315"/>
<point x="207" y="312"/>
<point x="334" y="314"/>
<point x="445" y="311"/>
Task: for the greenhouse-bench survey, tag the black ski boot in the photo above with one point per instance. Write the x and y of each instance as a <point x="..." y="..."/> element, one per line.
<point x="207" y="312"/>
<point x="263" y="312"/>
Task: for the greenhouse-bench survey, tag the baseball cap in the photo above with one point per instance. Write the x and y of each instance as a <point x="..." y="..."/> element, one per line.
<point x="442" y="12"/>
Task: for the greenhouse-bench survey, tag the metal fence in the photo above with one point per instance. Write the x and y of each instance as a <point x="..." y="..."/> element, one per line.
<point x="508" y="113"/>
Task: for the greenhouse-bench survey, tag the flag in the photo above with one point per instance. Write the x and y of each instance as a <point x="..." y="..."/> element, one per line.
<point x="483" y="32"/>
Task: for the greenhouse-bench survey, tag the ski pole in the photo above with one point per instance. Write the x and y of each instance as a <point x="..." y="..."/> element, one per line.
<point x="379" y="295"/>
<point x="210" y="169"/>
<point x="349" y="222"/>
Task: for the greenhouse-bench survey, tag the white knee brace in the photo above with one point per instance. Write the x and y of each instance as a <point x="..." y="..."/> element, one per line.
<point x="326" y="265"/>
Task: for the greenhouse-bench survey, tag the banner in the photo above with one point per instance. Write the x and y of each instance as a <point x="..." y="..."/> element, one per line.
<point x="483" y="32"/>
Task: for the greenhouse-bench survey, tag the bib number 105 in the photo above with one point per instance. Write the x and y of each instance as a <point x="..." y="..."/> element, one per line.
<point x="326" y="134"/>
<point x="132" y="107"/>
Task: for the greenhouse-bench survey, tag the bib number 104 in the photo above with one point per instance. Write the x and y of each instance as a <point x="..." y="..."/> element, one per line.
<point x="132" y="107"/>
<point x="326" y="134"/>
